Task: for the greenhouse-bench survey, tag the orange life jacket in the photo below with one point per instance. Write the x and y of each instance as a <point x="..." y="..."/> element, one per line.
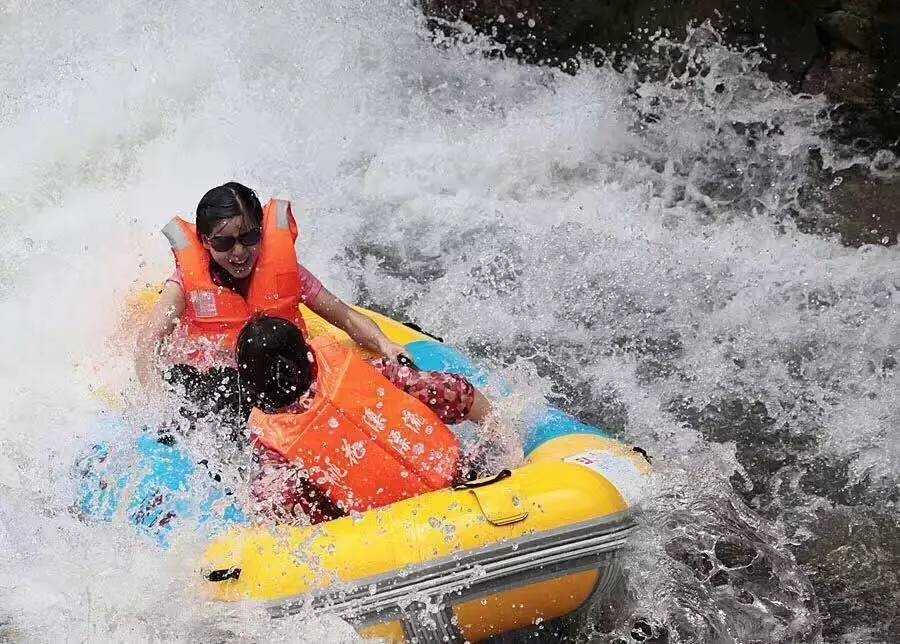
<point x="364" y="443"/>
<point x="215" y="313"/>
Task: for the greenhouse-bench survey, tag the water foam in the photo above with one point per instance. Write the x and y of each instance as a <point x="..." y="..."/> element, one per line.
<point x="631" y="241"/>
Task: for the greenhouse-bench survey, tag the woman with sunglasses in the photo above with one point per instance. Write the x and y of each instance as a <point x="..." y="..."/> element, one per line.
<point x="238" y="262"/>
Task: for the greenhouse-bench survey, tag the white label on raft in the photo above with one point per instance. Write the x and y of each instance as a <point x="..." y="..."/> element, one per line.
<point x="618" y="470"/>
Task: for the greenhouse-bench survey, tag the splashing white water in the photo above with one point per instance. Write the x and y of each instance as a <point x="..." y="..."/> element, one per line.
<point x="632" y="240"/>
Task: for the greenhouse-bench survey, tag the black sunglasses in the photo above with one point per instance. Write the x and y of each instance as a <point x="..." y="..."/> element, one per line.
<point x="224" y="244"/>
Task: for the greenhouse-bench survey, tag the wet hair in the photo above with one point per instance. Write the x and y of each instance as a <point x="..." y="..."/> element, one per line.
<point x="273" y="362"/>
<point x="224" y="202"/>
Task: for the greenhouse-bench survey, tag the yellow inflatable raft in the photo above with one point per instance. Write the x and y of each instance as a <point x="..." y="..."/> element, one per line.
<point x="462" y="564"/>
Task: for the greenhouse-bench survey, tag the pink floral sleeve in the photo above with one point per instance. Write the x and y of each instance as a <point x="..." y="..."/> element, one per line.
<point x="309" y="285"/>
<point x="446" y="394"/>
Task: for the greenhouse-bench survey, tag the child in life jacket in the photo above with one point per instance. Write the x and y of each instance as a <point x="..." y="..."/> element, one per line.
<point x="337" y="434"/>
<point x="239" y="260"/>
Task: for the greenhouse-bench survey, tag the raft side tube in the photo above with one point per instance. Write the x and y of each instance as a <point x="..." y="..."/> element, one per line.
<point x="548" y="495"/>
<point x="486" y="571"/>
<point x="542" y="539"/>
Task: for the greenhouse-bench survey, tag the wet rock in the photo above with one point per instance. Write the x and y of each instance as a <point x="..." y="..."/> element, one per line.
<point x="850" y="29"/>
<point x="849" y="49"/>
<point x="865" y="208"/>
<point x="853" y="74"/>
<point x="864" y="8"/>
<point x="887" y="23"/>
<point x="559" y="30"/>
<point x="859" y="203"/>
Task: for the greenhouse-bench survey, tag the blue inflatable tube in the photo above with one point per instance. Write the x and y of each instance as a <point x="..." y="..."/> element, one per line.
<point x="162" y="486"/>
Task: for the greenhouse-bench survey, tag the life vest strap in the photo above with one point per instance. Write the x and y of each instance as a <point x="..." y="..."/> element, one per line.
<point x="282" y="208"/>
<point x="178" y="239"/>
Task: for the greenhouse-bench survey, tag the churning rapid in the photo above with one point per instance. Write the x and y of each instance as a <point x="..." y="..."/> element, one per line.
<point x="625" y="248"/>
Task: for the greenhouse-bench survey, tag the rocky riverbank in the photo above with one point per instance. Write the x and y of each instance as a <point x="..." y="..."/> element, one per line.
<point x="848" y="50"/>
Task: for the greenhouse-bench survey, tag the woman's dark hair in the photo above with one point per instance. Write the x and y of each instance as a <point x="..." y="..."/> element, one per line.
<point x="224" y="202"/>
<point x="273" y="362"/>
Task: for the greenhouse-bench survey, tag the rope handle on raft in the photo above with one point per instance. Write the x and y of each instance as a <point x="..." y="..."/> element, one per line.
<point x="416" y="327"/>
<point x="471" y="485"/>
<point x="224" y="574"/>
<point x="405" y="361"/>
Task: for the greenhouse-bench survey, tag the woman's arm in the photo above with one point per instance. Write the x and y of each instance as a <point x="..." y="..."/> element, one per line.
<point x="162" y="321"/>
<point x="363" y="330"/>
<point x="481" y="408"/>
<point x="451" y="396"/>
